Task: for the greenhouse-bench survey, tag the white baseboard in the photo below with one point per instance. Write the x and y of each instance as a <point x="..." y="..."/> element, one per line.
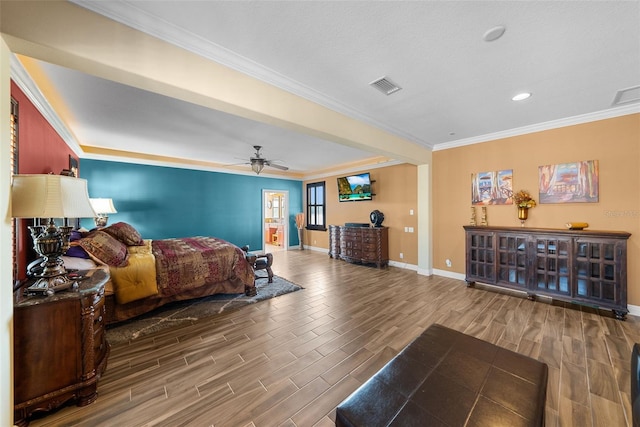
<point x="391" y="263"/>
<point x="634" y="310"/>
<point x="404" y="265"/>
<point x="312" y="248"/>
<point x="449" y="274"/>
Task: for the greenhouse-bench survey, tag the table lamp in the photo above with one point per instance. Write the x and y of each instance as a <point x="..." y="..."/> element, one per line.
<point x="50" y="196"/>
<point x="103" y="208"/>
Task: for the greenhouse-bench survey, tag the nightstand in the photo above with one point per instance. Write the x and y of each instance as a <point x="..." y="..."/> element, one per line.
<point x="60" y="347"/>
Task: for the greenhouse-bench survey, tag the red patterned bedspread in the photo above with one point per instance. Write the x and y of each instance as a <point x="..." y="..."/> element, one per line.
<point x="192" y="262"/>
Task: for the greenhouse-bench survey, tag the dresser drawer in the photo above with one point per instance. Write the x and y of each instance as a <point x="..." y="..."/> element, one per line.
<point x="99" y="344"/>
<point x="352" y="253"/>
<point x="370" y="247"/>
<point x="350" y="245"/>
<point x="351" y="234"/>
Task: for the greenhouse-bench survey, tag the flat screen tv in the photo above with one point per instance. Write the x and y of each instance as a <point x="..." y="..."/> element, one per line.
<point x="355" y="188"/>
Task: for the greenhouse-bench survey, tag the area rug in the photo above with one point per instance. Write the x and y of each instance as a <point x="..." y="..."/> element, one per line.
<point x="182" y="313"/>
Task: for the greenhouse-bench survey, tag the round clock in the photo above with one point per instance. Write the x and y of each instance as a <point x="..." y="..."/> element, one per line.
<point x="376" y="218"/>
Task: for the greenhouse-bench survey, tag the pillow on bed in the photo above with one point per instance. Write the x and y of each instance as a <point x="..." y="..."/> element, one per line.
<point x="75" y="250"/>
<point x="106" y="249"/>
<point x="144" y="248"/>
<point x="125" y="233"/>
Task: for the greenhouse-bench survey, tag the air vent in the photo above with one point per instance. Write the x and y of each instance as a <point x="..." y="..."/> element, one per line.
<point x="384" y="85"/>
<point x="626" y="96"/>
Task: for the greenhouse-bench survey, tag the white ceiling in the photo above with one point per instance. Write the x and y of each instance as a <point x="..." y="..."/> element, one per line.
<point x="573" y="56"/>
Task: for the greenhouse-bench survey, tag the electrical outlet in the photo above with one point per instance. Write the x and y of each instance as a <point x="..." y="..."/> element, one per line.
<point x="410" y="229"/>
<point x="448" y="262"/>
<point x="401" y="255"/>
<point x="410" y="211"/>
<point x="406" y="229"/>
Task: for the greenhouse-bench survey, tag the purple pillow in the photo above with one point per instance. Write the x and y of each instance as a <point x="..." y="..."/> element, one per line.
<point x="77" y="252"/>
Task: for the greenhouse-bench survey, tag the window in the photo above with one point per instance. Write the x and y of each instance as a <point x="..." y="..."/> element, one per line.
<point x="316" y="206"/>
<point x="14" y="169"/>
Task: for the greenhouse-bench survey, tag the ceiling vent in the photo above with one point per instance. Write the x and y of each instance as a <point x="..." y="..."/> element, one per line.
<point x="626" y="96"/>
<point x="384" y="85"/>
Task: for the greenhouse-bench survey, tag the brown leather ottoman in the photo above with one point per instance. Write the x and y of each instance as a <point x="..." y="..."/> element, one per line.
<point x="447" y="378"/>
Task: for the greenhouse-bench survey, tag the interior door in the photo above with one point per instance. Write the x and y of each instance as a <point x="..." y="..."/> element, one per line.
<point x="275" y="220"/>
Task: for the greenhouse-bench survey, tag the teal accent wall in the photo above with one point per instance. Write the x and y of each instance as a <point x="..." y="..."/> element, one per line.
<point x="163" y="202"/>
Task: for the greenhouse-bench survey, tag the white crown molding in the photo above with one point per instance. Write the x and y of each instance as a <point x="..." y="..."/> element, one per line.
<point x="23" y="80"/>
<point x="184" y="165"/>
<point x="131" y="16"/>
<point x="538" y="127"/>
<point x="360" y="168"/>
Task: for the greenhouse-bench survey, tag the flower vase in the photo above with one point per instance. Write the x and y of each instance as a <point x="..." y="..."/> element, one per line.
<point x="300" y="234"/>
<point x="523" y="214"/>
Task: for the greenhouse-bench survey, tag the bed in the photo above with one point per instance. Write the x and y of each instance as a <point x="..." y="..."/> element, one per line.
<point x="146" y="274"/>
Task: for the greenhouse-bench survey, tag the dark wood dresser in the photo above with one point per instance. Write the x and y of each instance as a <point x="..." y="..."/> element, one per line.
<point x="365" y="245"/>
<point x="580" y="266"/>
<point x="60" y="347"/>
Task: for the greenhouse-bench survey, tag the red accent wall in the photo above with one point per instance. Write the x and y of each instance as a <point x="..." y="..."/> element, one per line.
<point x="40" y="150"/>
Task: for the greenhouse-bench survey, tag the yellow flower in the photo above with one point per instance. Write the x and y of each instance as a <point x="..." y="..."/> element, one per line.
<point x="523" y="199"/>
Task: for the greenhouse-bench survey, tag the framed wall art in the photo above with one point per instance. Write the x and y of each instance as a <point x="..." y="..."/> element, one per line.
<point x="576" y="182"/>
<point x="492" y="188"/>
<point x="73" y="165"/>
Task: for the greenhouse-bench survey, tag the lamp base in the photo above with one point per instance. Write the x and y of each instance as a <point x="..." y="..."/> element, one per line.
<point x="101" y="221"/>
<point x="51" y="285"/>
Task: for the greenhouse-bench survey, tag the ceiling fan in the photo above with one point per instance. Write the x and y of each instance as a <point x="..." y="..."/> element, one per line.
<point x="258" y="162"/>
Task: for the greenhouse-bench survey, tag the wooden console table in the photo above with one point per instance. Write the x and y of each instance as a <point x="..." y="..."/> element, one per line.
<point x="60" y="348"/>
<point x="366" y="245"/>
<point x="579" y="266"/>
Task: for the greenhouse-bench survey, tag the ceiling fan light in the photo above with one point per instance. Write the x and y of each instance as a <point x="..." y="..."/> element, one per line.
<point x="257" y="167"/>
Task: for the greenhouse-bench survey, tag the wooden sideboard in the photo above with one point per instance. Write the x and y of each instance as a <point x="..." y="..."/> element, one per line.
<point x="365" y="245"/>
<point x="579" y="266"/>
<point x="60" y="347"/>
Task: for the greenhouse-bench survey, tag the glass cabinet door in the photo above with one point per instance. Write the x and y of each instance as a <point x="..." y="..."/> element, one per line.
<point x="553" y="265"/>
<point x="481" y="257"/>
<point x="512" y="259"/>
<point x="597" y="270"/>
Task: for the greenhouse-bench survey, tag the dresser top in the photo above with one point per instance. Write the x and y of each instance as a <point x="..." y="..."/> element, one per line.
<point x="94" y="280"/>
<point x="559" y="231"/>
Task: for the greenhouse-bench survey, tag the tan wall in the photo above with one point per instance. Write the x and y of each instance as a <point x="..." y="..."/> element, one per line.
<point x="615" y="143"/>
<point x="396" y="194"/>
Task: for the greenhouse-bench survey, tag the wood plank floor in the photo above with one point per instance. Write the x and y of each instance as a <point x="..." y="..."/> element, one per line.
<point x="290" y="360"/>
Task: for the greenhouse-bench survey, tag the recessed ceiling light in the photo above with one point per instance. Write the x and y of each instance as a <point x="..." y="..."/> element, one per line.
<point x="494" y="33"/>
<point x="521" y="96"/>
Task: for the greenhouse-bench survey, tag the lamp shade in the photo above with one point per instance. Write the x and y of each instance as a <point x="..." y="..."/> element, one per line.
<point x="50" y="196"/>
<point x="103" y="206"/>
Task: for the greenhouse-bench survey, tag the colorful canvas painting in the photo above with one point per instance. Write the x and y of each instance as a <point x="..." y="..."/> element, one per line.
<point x="576" y="182"/>
<point x="492" y="188"/>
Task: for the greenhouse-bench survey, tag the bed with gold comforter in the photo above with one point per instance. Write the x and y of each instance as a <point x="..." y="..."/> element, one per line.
<point x="146" y="274"/>
<point x="161" y="271"/>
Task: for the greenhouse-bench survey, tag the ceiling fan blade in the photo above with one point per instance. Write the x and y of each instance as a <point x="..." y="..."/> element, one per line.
<point x="273" y="165"/>
<point x="237" y="164"/>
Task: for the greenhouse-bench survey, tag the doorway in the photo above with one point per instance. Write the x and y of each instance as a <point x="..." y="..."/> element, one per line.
<point x="275" y="220"/>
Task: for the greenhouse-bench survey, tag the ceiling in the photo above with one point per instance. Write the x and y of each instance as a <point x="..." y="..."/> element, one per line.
<point x="456" y="88"/>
